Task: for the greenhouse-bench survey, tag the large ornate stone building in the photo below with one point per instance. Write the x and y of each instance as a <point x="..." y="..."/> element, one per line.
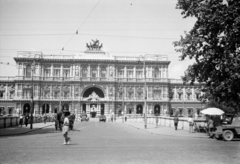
<point x="95" y="82"/>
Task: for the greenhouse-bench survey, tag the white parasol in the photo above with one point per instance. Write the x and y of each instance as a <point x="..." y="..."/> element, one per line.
<point x="212" y="111"/>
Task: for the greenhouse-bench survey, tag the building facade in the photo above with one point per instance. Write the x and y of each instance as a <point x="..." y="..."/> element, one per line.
<point x="96" y="83"/>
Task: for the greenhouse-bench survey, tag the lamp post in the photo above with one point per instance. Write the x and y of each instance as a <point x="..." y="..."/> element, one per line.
<point x="32" y="100"/>
<point x="155" y="57"/>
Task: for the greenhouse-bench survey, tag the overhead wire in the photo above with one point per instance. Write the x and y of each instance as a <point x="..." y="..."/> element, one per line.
<point x="80" y="26"/>
<point x="120" y="36"/>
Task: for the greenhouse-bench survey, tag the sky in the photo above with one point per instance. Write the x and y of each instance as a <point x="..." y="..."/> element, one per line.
<point x="124" y="27"/>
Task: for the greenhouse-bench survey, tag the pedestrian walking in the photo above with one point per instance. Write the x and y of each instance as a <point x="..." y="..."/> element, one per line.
<point x="191" y="123"/>
<point x="210" y="125"/>
<point x="21" y="120"/>
<point x="60" y="120"/>
<point x="26" y="118"/>
<point x="71" y="121"/>
<point x="44" y="118"/>
<point x="175" y="120"/>
<point x="65" y="129"/>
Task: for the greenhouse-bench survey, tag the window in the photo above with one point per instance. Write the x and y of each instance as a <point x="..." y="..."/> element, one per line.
<point x="47" y="72"/>
<point x="47" y="94"/>
<point x="28" y="71"/>
<point x="180" y="111"/>
<point x="1" y="110"/>
<point x="56" y="94"/>
<point x="149" y="72"/>
<point x="180" y="96"/>
<point x="139" y="74"/>
<point x="66" y="95"/>
<point x="10" y="110"/>
<point x="94" y="72"/>
<point x="120" y="95"/>
<point x="1" y="95"/>
<point x="66" y="73"/>
<point x="103" y="72"/>
<point x="130" y="95"/>
<point x="157" y="94"/>
<point x="56" y="72"/>
<point x="121" y="74"/>
<point x="190" y="110"/>
<point x="156" y="73"/>
<point x="140" y="96"/>
<point x="197" y="96"/>
<point x="84" y="72"/>
<point x="130" y="74"/>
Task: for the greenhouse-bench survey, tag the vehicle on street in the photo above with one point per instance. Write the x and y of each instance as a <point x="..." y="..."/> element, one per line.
<point x="84" y="117"/>
<point x="102" y="118"/>
<point x="229" y="129"/>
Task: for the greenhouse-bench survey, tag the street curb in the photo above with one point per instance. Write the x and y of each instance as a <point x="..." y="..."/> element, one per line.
<point x="21" y="133"/>
<point x="197" y="137"/>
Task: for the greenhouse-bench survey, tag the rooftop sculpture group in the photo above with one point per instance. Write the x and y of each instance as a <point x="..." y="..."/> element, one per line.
<point x="94" y="45"/>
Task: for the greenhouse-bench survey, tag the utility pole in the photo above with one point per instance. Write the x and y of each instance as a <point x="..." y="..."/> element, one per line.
<point x="156" y="57"/>
<point x="32" y="96"/>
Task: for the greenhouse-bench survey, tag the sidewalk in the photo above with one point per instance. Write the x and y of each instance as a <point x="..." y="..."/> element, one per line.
<point x="163" y="130"/>
<point x="17" y="130"/>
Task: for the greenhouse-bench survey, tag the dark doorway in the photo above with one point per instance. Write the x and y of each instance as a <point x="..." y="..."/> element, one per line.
<point x="65" y="107"/>
<point x="45" y="108"/>
<point x="139" y="109"/>
<point x="157" y="110"/>
<point x="84" y="108"/>
<point x="55" y="110"/>
<point x="26" y="108"/>
<point x="102" y="109"/>
<point x="130" y="110"/>
<point x="93" y="110"/>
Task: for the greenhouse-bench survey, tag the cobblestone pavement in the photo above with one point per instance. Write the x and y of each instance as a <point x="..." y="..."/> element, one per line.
<point x="114" y="142"/>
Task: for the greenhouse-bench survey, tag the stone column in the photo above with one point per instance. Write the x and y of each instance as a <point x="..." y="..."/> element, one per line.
<point x="98" y="71"/>
<point x="61" y="70"/>
<point x="71" y="71"/>
<point x="89" y="71"/>
<point x="51" y="70"/>
<point x="50" y="110"/>
<point x="125" y="71"/>
<point x="134" y="72"/>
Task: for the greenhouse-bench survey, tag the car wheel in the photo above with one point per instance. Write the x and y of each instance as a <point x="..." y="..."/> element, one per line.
<point x="228" y="135"/>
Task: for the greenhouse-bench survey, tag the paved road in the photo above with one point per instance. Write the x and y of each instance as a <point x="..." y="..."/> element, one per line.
<point x="94" y="142"/>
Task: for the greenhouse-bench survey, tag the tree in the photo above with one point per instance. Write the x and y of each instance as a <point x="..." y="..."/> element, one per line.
<point x="214" y="44"/>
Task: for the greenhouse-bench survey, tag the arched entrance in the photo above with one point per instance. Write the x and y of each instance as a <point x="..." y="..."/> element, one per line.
<point x="157" y="110"/>
<point x="89" y="92"/>
<point x="93" y="106"/>
<point x="45" y="108"/>
<point x="26" y="108"/>
<point x="139" y="109"/>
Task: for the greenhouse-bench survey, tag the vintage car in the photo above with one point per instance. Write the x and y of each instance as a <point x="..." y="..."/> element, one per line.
<point x="84" y="117"/>
<point x="102" y="118"/>
<point x="229" y="129"/>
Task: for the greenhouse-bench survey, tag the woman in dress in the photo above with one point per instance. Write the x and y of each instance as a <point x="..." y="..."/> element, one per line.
<point x="65" y="129"/>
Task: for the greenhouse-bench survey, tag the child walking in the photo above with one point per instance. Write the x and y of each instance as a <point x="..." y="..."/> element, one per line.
<point x="65" y="129"/>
